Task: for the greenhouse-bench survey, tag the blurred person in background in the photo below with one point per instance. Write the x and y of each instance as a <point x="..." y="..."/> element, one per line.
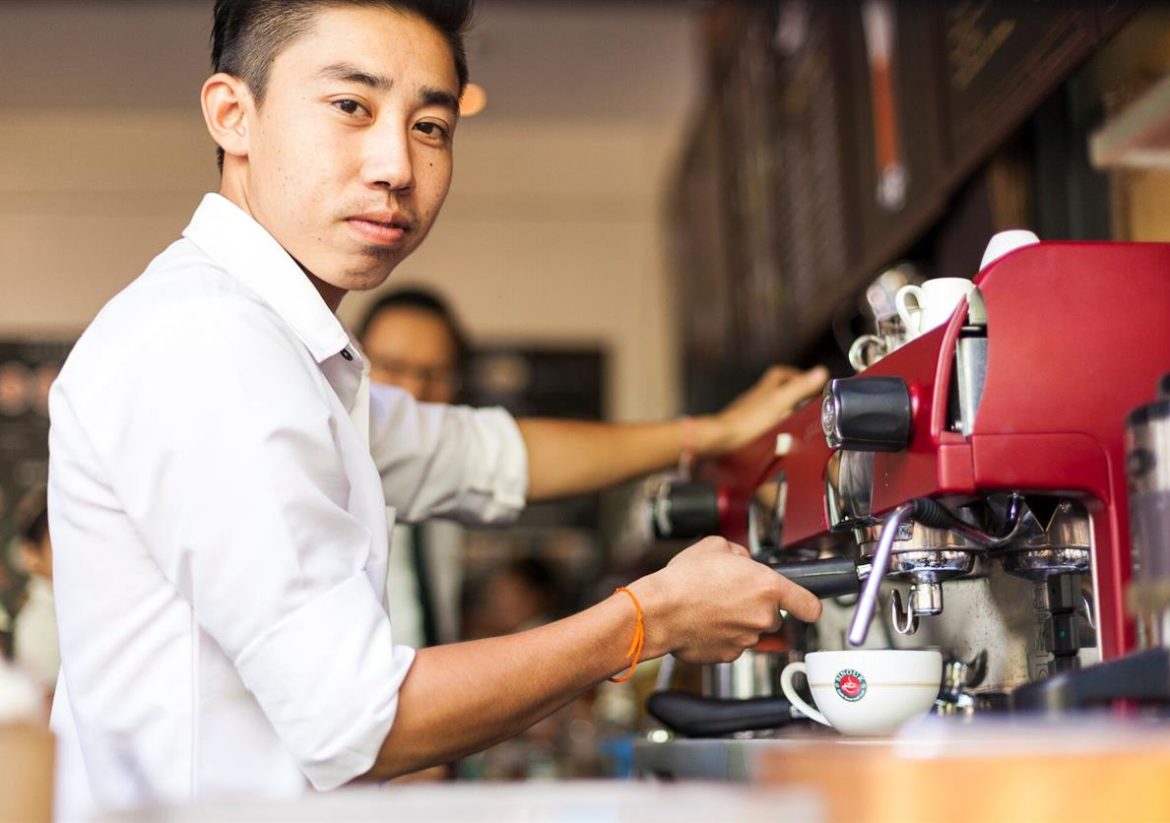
<point x="35" y="633"/>
<point x="413" y="341"/>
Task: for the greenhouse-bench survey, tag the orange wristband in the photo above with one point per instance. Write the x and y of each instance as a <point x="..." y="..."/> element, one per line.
<point x="634" y="653"/>
<point x="686" y="452"/>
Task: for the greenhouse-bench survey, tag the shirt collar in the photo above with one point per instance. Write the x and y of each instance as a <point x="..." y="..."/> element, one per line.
<point x="245" y="249"/>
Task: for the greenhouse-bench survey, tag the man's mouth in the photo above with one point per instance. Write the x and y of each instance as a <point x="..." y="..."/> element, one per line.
<point x="389" y="229"/>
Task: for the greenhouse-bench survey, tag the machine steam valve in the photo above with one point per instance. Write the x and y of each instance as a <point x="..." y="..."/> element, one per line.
<point x="869" y="414"/>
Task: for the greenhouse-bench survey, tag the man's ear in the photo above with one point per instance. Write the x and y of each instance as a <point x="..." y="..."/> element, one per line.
<point x="227" y="102"/>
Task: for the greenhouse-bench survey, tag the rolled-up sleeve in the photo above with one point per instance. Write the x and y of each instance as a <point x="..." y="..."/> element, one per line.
<point x="456" y="462"/>
<point x="226" y="457"/>
<point x="336" y="719"/>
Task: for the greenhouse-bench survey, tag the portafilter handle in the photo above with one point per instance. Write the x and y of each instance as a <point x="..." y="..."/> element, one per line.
<point x="831" y="577"/>
<point x="925" y="511"/>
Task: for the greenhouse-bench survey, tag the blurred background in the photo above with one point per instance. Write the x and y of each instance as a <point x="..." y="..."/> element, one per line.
<point x="658" y="200"/>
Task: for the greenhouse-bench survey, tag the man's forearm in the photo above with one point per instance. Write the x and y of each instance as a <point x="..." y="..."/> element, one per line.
<point x="568" y="457"/>
<point x="572" y="457"/>
<point x="708" y="604"/>
<point x="463" y="697"/>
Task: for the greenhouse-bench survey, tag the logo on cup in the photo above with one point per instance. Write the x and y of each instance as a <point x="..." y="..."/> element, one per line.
<point x="850" y="685"/>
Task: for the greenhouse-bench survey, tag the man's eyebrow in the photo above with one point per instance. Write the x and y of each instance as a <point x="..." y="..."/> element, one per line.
<point x="350" y="73"/>
<point x="439" y="97"/>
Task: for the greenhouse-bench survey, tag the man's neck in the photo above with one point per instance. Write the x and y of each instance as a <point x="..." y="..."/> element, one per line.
<point x="237" y="194"/>
<point x="329" y="293"/>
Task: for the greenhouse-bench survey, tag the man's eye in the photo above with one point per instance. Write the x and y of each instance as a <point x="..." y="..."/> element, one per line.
<point x="348" y="106"/>
<point x="433" y="130"/>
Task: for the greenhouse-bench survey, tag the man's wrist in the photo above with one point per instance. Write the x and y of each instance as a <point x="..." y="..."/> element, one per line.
<point x="710" y="436"/>
<point x="654" y="598"/>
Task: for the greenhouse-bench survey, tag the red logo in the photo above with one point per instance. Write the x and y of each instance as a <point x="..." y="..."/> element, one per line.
<point x="850" y="685"/>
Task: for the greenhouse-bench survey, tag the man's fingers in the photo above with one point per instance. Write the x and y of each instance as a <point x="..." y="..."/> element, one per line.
<point x="799" y="601"/>
<point x="779" y="374"/>
<point x="803" y="385"/>
<point x="811" y="380"/>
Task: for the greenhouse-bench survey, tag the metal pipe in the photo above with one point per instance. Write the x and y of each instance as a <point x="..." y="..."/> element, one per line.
<point x="880" y="565"/>
<point x="1013" y="526"/>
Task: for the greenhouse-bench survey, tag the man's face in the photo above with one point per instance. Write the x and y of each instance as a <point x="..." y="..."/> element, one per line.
<point x="412" y="349"/>
<point x="349" y="157"/>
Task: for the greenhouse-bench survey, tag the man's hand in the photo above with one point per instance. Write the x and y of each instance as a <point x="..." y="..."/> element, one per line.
<point x="712" y="601"/>
<point x="758" y="409"/>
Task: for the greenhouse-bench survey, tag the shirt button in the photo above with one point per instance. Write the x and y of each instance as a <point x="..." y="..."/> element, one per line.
<point x="345" y="353"/>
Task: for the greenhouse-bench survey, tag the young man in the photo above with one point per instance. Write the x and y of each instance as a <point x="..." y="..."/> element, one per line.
<point x="223" y="474"/>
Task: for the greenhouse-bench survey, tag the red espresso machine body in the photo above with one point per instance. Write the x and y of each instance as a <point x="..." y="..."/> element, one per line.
<point x="1076" y="336"/>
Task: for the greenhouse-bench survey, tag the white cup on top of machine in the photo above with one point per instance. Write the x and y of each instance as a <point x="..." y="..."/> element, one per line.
<point x="924" y="307"/>
<point x="1005" y="242"/>
<point x="866" y="691"/>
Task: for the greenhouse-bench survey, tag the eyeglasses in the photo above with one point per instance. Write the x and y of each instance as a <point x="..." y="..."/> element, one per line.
<point x="389" y="370"/>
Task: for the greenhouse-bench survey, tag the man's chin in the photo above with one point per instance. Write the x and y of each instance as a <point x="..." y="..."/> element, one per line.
<point x="366" y="278"/>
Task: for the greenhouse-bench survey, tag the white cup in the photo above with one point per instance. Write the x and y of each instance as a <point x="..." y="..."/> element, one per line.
<point x="1005" y="242"/>
<point x="866" y="691"/>
<point x="924" y="307"/>
<point x="866" y="350"/>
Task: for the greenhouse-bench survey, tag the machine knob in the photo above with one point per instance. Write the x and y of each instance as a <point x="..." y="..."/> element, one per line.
<point x="869" y="414"/>
<point x="681" y="510"/>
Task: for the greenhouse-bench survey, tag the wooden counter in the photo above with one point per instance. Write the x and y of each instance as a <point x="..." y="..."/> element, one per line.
<point x="1095" y="771"/>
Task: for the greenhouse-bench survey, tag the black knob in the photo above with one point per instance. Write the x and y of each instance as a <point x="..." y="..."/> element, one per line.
<point x="1164" y="387"/>
<point x="869" y="414"/>
<point x="682" y="510"/>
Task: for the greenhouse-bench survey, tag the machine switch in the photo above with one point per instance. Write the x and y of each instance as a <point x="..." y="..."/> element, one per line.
<point x="870" y="414"/>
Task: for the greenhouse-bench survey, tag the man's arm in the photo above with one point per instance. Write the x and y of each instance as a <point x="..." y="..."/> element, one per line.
<point x="571" y="457"/>
<point x="707" y="605"/>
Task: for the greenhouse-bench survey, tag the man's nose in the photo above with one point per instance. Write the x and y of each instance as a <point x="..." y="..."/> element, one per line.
<point x="388" y="161"/>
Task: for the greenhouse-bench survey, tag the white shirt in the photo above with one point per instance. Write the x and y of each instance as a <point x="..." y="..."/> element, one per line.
<point x="222" y="480"/>
<point x="444" y="555"/>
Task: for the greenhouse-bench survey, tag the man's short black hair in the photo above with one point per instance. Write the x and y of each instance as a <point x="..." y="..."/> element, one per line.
<point x="247" y="35"/>
<point x="424" y="300"/>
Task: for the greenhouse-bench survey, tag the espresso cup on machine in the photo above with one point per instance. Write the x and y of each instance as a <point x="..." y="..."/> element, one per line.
<point x="866" y="691"/>
<point x="870" y="348"/>
<point x="866" y="350"/>
<point x="924" y="307"/>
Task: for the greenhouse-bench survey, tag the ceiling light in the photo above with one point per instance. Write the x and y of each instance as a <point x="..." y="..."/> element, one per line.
<point x="473" y="101"/>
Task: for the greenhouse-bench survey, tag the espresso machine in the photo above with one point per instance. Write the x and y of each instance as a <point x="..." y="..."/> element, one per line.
<point x="969" y="492"/>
